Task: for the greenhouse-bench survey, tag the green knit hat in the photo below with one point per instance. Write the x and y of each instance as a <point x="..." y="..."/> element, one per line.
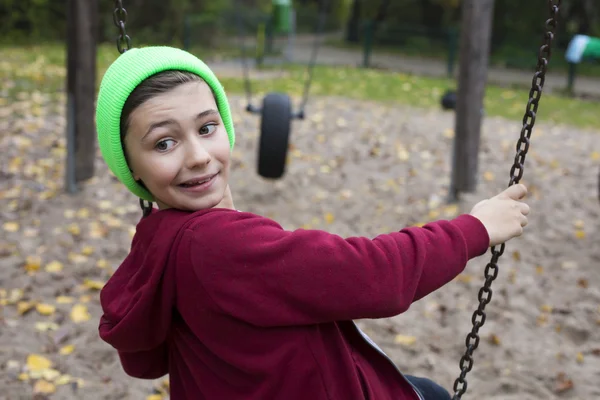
<point x="121" y="78"/>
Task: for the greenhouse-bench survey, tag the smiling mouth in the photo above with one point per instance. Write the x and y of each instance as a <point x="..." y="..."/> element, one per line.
<point x="198" y="182"/>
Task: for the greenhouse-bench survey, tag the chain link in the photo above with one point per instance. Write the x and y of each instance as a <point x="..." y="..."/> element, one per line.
<point x="516" y="173"/>
<point x="119" y="19"/>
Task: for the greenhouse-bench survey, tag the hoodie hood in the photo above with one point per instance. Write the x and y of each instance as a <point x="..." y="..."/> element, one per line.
<point x="138" y="299"/>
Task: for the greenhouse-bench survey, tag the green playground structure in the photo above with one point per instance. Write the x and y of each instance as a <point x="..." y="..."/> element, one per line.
<point x="581" y="48"/>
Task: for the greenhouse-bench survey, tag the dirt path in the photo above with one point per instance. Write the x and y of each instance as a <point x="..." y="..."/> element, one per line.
<point x="330" y="55"/>
<point x="356" y="169"/>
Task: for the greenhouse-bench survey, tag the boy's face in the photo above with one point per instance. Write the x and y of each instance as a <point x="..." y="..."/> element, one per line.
<point x="178" y="147"/>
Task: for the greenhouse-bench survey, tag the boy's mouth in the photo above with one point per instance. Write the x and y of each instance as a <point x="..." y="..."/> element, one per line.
<point x="197" y="181"/>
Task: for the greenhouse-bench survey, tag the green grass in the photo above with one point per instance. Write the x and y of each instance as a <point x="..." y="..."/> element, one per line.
<point x="506" y="57"/>
<point x="42" y="68"/>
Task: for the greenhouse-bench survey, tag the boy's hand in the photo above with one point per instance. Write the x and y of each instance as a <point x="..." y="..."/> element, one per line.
<point x="503" y="216"/>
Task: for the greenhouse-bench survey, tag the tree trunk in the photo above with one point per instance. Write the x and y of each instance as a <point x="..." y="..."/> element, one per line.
<point x="474" y="56"/>
<point x="353" y="26"/>
<point x="81" y="87"/>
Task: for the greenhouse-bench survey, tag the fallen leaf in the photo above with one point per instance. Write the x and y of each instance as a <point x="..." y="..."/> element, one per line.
<point x="54" y="266"/>
<point x="79" y="313"/>
<point x="64" y="300"/>
<point x="87" y="250"/>
<point x="32" y="263"/>
<point x="36" y="362"/>
<point x="44" y="387"/>
<point x="579" y="358"/>
<point x="582" y="283"/>
<point x="405" y="340"/>
<point x="94" y="285"/>
<point x="489" y="176"/>
<point x="66" y="350"/>
<point x="24" y="306"/>
<point x="516" y="255"/>
<point x="46" y="326"/>
<point x="63" y="380"/>
<point x="154" y="397"/>
<point x="494" y="339"/>
<point x="579" y="234"/>
<point x="11" y="226"/>
<point x="546" y="308"/>
<point x="102" y="263"/>
<point x="45" y="309"/>
<point x="329" y="218"/>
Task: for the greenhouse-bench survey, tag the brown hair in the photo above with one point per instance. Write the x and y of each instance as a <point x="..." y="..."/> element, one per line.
<point x="156" y="84"/>
<point x="153" y="86"/>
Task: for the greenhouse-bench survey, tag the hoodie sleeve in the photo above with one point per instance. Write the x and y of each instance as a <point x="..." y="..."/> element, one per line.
<point x="149" y="364"/>
<point x="254" y="270"/>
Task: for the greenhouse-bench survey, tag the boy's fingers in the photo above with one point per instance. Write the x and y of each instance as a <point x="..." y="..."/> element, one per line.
<point x="516" y="192"/>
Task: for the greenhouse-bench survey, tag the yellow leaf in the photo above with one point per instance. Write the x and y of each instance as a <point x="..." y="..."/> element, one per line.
<point x="105" y="205"/>
<point x="45" y="309"/>
<point x="154" y="397"/>
<point x="451" y="210"/>
<point x="23" y="377"/>
<point x="580" y="234"/>
<point x="579" y="224"/>
<point x="85" y="299"/>
<point x="87" y="250"/>
<point x="77" y="258"/>
<point x="329" y="218"/>
<point x="79" y="313"/>
<point x="43" y="387"/>
<point x="405" y="340"/>
<point x="66" y="350"/>
<point x="539" y="270"/>
<point x="54" y="266"/>
<point x="433" y="214"/>
<point x="63" y="380"/>
<point x="546" y="308"/>
<point x="449" y="133"/>
<point x="11" y="226"/>
<point x="102" y="263"/>
<point x="46" y="326"/>
<point x="595" y="155"/>
<point x="465" y="278"/>
<point x="24" y="306"/>
<point x="516" y="255"/>
<point x="69" y="214"/>
<point x="36" y="362"/>
<point x="579" y="358"/>
<point x="50" y="374"/>
<point x="64" y="300"/>
<point x="94" y="285"/>
<point x="74" y="229"/>
<point x="83" y="213"/>
<point x="495" y="340"/>
<point x="488" y="176"/>
<point x="32" y="263"/>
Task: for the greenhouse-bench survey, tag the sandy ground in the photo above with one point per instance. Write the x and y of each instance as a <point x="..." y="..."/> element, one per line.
<point x="356" y="169"/>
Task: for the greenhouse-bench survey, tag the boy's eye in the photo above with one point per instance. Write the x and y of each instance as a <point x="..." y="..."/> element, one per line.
<point x="164" y="145"/>
<point x="208" y="129"/>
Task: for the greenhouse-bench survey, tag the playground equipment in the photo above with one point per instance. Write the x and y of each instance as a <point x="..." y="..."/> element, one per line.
<point x="581" y="48"/>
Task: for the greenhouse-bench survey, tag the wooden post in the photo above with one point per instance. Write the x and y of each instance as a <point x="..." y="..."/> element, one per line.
<point x="82" y="35"/>
<point x="476" y="30"/>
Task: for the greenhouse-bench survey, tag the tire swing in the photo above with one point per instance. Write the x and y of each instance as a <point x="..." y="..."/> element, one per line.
<point x="516" y="173"/>
<point x="276" y="112"/>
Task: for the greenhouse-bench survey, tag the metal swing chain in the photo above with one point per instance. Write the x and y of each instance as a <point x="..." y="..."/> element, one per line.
<point x="120" y="18"/>
<point x="516" y="173"/>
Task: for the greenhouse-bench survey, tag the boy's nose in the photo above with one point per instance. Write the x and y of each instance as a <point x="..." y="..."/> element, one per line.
<point x="197" y="155"/>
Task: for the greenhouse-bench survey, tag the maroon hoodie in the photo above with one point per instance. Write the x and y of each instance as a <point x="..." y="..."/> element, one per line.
<point x="232" y="306"/>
